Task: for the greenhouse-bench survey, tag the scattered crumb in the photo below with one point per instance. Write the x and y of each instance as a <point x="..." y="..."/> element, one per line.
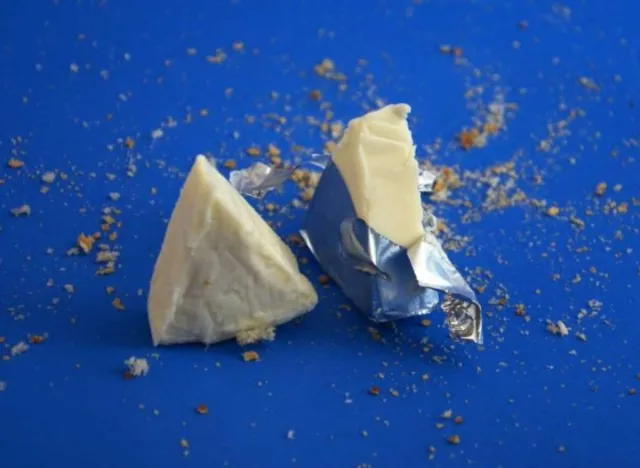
<point x="14" y="163"/>
<point x="291" y="434"/>
<point x="85" y="242"/>
<point x="19" y="348"/>
<point x="253" y="151"/>
<point x="552" y="211"/>
<point x="202" y="409"/>
<point x="24" y="210"/>
<point x="454" y="439"/>
<point x="250" y="356"/>
<point x="117" y="303"/>
<point x="48" y="177"/>
<point x="137" y="366"/>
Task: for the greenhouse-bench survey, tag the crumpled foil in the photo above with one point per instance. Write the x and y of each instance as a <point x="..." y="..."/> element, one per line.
<point x="259" y="178"/>
<point x="384" y="280"/>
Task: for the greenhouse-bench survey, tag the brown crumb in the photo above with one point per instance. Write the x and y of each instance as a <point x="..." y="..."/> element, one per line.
<point x="454" y="439"/>
<point x="117" y="303"/>
<point x="230" y="164"/>
<point x="253" y="151"/>
<point x="37" y="339"/>
<point x="468" y="138"/>
<point x="250" y="356"/>
<point x="632" y="392"/>
<point x="323" y="280"/>
<point x="520" y="310"/>
<point x="425" y="322"/>
<point x="14" y="163"/>
<point x="601" y="188"/>
<point x="458" y="420"/>
<point x="315" y="95"/>
<point x="457" y="51"/>
<point x="85" y="242"/>
<point x="129" y="143"/>
<point x="375" y="391"/>
<point x="109" y="289"/>
<point x="202" y="409"/>
<point x="127" y="375"/>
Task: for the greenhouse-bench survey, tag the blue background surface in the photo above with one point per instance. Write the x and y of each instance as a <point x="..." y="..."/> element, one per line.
<point x="523" y="396"/>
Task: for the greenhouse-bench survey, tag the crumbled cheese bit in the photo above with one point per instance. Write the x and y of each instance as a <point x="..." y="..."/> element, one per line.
<point x="24" y="210"/>
<point x="19" y="348"/>
<point x="107" y="256"/>
<point x="255" y="335"/>
<point x="69" y="288"/>
<point x="48" y="177"/>
<point x="249" y="356"/>
<point x="3" y="385"/>
<point x="553" y="211"/>
<point x="446" y="414"/>
<point x="137" y="366"/>
<point x="115" y="196"/>
<point x="85" y="242"/>
<point x="157" y="134"/>
<point x="291" y="434"/>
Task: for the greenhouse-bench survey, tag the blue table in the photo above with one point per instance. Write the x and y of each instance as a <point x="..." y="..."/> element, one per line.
<point x="78" y="78"/>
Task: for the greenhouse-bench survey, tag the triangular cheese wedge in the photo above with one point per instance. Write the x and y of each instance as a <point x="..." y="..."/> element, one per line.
<point x="376" y="159"/>
<point x="222" y="271"/>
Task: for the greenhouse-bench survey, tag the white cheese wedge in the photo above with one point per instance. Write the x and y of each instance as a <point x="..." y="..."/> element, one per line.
<point x="222" y="271"/>
<point x="376" y="158"/>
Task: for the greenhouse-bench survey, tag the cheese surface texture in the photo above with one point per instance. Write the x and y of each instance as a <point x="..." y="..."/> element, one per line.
<point x="376" y="159"/>
<point x="222" y="271"/>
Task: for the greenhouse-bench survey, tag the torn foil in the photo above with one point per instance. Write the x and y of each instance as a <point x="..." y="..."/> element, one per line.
<point x="384" y="280"/>
<point x="259" y="178"/>
<point x="426" y="180"/>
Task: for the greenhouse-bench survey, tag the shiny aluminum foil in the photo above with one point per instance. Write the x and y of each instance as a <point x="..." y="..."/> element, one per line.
<point x="384" y="280"/>
<point x="259" y="178"/>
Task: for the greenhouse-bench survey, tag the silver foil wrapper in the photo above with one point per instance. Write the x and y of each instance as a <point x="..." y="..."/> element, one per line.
<point x="384" y="280"/>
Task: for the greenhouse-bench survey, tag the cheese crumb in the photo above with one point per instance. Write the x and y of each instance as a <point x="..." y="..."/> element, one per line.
<point x="249" y="356"/>
<point x="255" y="335"/>
<point x="19" y="348"/>
<point x="137" y="366"/>
<point x="85" y="242"/>
<point x="49" y="177"/>
<point x="24" y="210"/>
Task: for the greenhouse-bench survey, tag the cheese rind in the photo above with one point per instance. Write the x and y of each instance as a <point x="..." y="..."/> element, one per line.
<point x="376" y="159"/>
<point x="221" y="270"/>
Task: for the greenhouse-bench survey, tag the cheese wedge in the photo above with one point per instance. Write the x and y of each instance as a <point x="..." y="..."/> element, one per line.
<point x="376" y="159"/>
<point x="222" y="271"/>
